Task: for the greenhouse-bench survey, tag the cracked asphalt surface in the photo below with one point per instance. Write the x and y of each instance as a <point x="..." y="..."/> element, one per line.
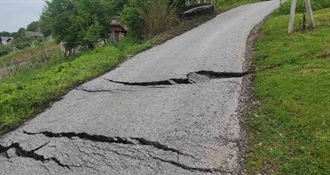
<point x="173" y="109"/>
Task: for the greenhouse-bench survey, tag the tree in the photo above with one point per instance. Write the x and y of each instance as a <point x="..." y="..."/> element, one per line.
<point x="33" y="26"/>
<point x="79" y="22"/>
<point x="19" y="33"/>
<point x="4" y="33"/>
<point x="119" y="6"/>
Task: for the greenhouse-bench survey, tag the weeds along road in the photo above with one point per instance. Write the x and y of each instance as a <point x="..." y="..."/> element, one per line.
<point x="170" y="110"/>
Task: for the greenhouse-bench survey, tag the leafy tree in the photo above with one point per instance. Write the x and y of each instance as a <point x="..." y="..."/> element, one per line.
<point x="79" y="22"/>
<point x="4" y="33"/>
<point x="118" y="6"/>
<point x="19" y="33"/>
<point x="33" y="26"/>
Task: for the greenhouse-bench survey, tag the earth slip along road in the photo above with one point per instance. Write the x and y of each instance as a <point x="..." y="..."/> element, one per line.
<point x="170" y="110"/>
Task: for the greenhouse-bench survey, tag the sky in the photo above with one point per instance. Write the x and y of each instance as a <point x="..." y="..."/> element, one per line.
<point x="15" y="14"/>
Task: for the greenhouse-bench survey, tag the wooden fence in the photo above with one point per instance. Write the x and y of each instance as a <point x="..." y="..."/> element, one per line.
<point x="24" y="60"/>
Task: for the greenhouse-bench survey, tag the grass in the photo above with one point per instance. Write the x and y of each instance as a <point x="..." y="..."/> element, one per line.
<point x="30" y="91"/>
<point x="290" y="132"/>
<point x="25" y="50"/>
<point x="224" y="5"/>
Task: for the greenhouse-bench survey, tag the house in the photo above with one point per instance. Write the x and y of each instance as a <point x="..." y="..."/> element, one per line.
<point x="36" y="35"/>
<point x="117" y="32"/>
<point x="6" y="40"/>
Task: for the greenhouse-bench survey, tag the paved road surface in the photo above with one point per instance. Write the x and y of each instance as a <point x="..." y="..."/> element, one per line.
<point x="170" y="110"/>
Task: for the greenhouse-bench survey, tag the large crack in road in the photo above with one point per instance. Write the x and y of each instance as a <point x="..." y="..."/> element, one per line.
<point x="174" y="109"/>
<point x="192" y="78"/>
<point x="21" y="152"/>
<point x="107" y="139"/>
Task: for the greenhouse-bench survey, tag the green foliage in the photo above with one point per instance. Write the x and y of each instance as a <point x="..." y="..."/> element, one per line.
<point x="118" y="6"/>
<point x="33" y="26"/>
<point x="146" y="18"/>
<point x="223" y="5"/>
<point x="40" y="26"/>
<point x="19" y="33"/>
<point x="7" y="34"/>
<point x="131" y="46"/>
<point x="290" y="133"/>
<point x="4" y="50"/>
<point x="179" y="5"/>
<point x="21" y="42"/>
<point x="80" y="22"/>
<point x="316" y="5"/>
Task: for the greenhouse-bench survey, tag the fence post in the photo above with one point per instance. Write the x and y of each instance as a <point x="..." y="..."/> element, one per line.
<point x="292" y="13"/>
<point x="12" y="67"/>
<point x="309" y="12"/>
<point x="5" y="68"/>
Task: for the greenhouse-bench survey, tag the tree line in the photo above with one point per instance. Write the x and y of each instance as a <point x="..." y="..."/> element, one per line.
<point x="21" y="41"/>
<point x="87" y="22"/>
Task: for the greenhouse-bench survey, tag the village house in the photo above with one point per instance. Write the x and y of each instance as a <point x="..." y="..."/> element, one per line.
<point x="6" y="40"/>
<point x="117" y="32"/>
<point x="36" y="35"/>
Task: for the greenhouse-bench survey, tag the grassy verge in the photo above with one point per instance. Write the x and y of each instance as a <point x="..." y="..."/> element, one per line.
<point x="290" y="133"/>
<point x="224" y="5"/>
<point x="26" y="50"/>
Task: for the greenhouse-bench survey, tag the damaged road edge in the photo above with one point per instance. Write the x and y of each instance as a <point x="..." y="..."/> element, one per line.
<point x="192" y="78"/>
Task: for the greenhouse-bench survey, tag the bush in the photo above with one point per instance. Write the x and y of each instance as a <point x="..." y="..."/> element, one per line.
<point x="4" y="50"/>
<point x="147" y="18"/>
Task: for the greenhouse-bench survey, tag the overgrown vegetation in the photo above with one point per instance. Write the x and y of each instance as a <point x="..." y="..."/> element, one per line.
<point x="290" y="133"/>
<point x="147" y="18"/>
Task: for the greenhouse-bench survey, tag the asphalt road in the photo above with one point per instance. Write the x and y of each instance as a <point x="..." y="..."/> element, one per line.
<point x="173" y="109"/>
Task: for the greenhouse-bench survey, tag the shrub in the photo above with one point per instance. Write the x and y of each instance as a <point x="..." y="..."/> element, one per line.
<point x="146" y="18"/>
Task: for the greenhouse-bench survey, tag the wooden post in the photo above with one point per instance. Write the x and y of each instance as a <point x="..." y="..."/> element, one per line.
<point x="292" y="13"/>
<point x="309" y="12"/>
<point x="5" y="67"/>
<point x="12" y="66"/>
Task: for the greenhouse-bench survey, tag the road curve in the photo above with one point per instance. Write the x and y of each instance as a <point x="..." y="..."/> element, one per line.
<point x="170" y="110"/>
